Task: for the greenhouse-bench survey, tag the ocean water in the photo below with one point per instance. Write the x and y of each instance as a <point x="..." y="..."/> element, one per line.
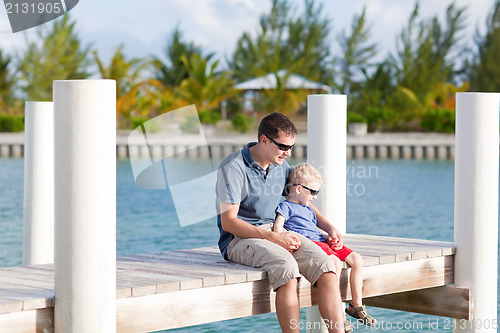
<point x="391" y="198"/>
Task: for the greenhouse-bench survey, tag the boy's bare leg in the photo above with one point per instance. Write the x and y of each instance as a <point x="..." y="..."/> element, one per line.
<point x="287" y="307"/>
<point x="330" y="303"/>
<point x="356" y="278"/>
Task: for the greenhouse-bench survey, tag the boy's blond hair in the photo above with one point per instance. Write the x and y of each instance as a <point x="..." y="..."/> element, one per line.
<point x="305" y="174"/>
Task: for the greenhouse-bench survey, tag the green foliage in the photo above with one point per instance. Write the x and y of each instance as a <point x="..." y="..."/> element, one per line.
<point x="422" y="64"/>
<point x="356" y="54"/>
<point x="7" y="81"/>
<point x="297" y="43"/>
<point x="173" y="73"/>
<point x="55" y="55"/>
<point x="209" y="117"/>
<point x="380" y="119"/>
<point x="11" y="123"/>
<point x="241" y="122"/>
<point x="205" y="86"/>
<point x="376" y="91"/>
<point x="191" y="124"/>
<point x="485" y="67"/>
<point x="133" y="90"/>
<point x="411" y="89"/>
<point x="353" y="117"/>
<point x="151" y="127"/>
<point x="438" y="120"/>
<point x="288" y="43"/>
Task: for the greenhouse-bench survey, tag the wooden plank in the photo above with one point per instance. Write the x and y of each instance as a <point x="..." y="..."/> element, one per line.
<point x="403" y="251"/>
<point x="209" y="278"/>
<point x="446" y="301"/>
<point x="24" y="277"/>
<point x="8" y="304"/>
<point x="33" y="321"/>
<point x="431" y="244"/>
<point x="186" y="282"/>
<point x="137" y="288"/>
<point x="382" y="241"/>
<point x="233" y="273"/>
<point x="45" y="273"/>
<point x="191" y="307"/>
<point x="403" y="276"/>
<point x="145" y="282"/>
<point x="19" y="282"/>
<point x="29" y="297"/>
<point x="397" y="247"/>
<point x="123" y="290"/>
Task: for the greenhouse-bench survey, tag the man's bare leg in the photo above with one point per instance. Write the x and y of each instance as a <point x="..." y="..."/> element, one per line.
<point x="287" y="307"/>
<point x="330" y="303"/>
<point x="339" y="265"/>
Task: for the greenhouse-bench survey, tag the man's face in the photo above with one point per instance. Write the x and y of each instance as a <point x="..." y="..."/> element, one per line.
<point x="276" y="154"/>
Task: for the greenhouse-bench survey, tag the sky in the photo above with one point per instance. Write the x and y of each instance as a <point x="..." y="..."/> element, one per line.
<point x="145" y="26"/>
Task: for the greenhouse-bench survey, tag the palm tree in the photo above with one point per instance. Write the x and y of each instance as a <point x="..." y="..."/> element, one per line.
<point x="204" y="86"/>
<point x="134" y="91"/>
<point x="173" y="74"/>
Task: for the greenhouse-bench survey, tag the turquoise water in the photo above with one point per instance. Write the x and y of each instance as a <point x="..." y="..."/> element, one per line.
<point x="393" y="198"/>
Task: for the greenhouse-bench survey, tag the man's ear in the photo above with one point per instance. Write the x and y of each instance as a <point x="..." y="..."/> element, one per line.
<point x="263" y="139"/>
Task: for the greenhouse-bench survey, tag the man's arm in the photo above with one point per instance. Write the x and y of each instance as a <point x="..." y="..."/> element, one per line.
<point x="232" y="224"/>
<point x="327" y="226"/>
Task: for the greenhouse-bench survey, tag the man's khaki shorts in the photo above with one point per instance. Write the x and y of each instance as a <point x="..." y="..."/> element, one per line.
<point x="281" y="266"/>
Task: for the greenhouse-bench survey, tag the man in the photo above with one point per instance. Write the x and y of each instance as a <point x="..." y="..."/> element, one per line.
<point x="250" y="184"/>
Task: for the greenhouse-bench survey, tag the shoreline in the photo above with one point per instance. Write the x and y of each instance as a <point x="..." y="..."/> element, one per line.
<point x="410" y="145"/>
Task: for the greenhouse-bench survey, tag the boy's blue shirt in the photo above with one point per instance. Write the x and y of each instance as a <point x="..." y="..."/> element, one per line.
<point x="300" y="219"/>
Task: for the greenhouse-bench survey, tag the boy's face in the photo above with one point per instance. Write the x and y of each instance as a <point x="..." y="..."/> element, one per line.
<point x="304" y="195"/>
<point x="275" y="154"/>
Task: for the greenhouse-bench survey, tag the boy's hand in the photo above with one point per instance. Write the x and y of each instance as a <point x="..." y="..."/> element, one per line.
<point x="335" y="242"/>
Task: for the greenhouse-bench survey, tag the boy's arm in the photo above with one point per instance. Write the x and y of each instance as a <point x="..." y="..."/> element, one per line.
<point x="236" y="226"/>
<point x="327" y="226"/>
<point x="279" y="222"/>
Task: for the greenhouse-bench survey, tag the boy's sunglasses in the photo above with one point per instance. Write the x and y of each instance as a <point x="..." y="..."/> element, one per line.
<point x="281" y="146"/>
<point x="313" y="192"/>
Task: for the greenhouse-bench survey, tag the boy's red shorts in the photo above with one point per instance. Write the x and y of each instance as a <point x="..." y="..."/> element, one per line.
<point x="341" y="254"/>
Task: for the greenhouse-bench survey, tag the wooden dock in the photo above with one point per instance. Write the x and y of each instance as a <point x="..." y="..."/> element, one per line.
<point x="181" y="288"/>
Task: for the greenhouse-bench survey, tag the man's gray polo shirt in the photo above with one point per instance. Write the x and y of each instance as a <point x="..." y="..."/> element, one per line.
<point x="258" y="192"/>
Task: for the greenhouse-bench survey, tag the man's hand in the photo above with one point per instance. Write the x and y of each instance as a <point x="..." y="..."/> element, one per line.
<point x="287" y="239"/>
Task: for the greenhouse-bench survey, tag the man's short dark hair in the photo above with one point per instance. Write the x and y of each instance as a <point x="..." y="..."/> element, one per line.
<point x="275" y="122"/>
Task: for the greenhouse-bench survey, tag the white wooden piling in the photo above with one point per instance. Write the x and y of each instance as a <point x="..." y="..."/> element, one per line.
<point x="382" y="152"/>
<point x="326" y="150"/>
<point x="85" y="206"/>
<point x="371" y="152"/>
<point x="476" y="206"/>
<point x="38" y="206"/>
<point x="4" y="151"/>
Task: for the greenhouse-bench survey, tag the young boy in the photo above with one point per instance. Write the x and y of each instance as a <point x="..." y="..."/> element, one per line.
<point x="296" y="215"/>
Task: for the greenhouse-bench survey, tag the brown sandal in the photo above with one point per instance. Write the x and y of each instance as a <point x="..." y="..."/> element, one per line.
<point x="361" y="315"/>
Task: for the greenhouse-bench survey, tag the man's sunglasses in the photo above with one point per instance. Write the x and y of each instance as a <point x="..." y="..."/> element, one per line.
<point x="281" y="146"/>
<point x="313" y="192"/>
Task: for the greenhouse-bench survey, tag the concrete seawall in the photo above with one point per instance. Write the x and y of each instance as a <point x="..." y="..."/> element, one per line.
<point x="428" y="146"/>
